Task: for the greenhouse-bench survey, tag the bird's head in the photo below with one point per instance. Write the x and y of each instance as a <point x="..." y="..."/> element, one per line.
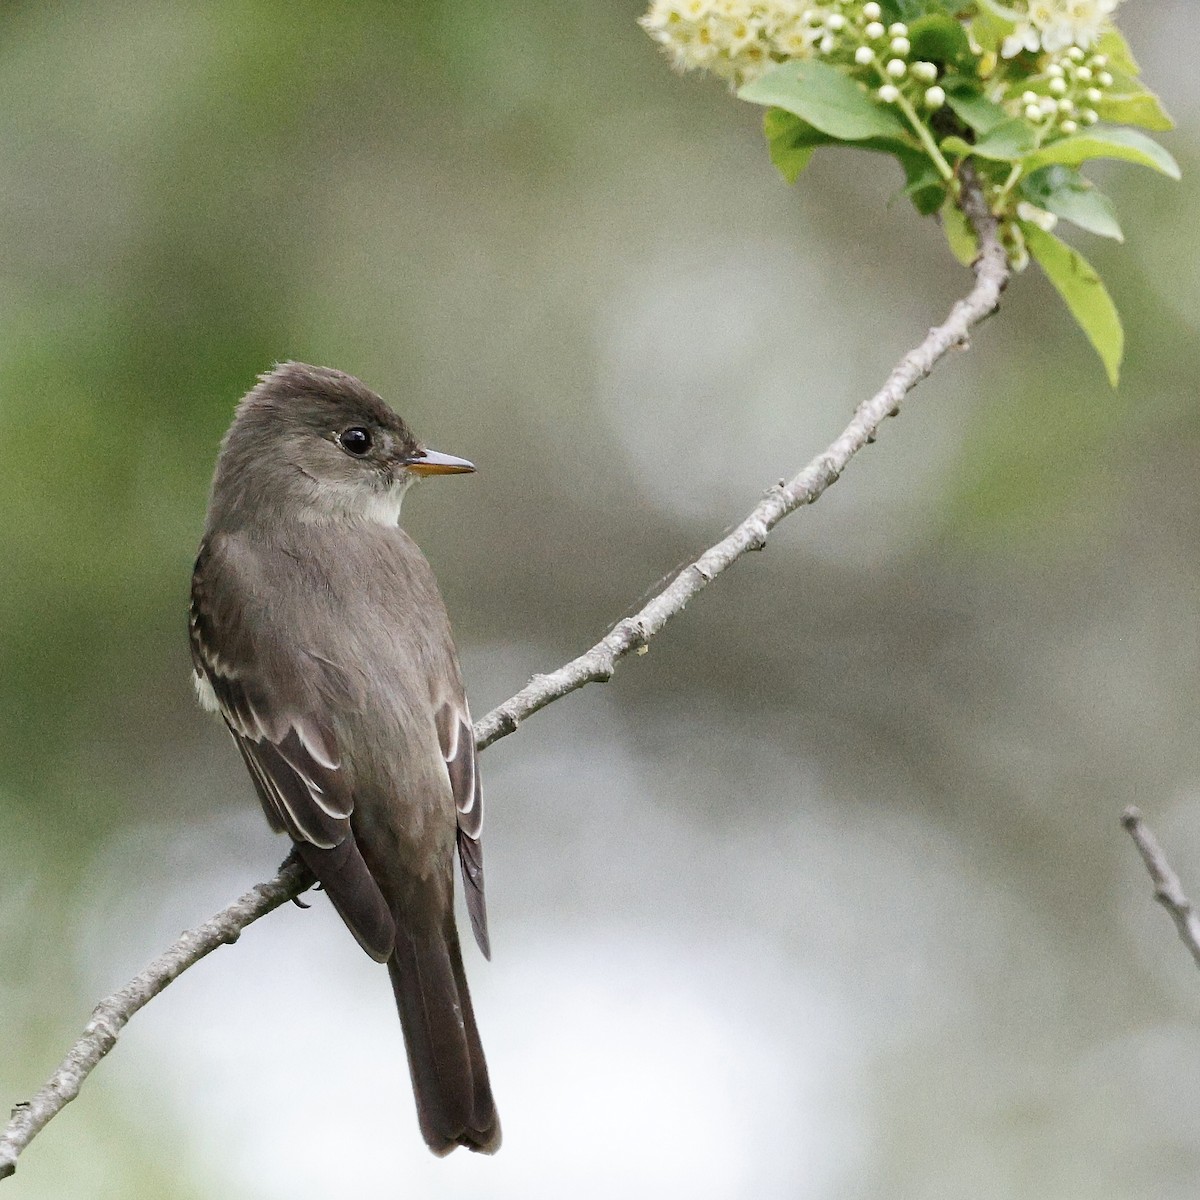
<point x="321" y="443"/>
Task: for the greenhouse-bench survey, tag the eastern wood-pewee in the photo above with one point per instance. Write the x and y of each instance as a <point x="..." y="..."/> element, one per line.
<point x="319" y="636"/>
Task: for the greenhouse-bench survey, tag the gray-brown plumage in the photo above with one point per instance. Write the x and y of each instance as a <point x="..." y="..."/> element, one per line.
<point x="319" y="635"/>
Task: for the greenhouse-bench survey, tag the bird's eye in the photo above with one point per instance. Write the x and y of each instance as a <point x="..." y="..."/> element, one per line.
<point x="356" y="440"/>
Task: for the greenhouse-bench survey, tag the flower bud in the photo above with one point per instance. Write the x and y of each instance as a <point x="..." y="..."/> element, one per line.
<point x="1104" y="79"/>
<point x="1075" y="54"/>
<point x="827" y="44"/>
<point x="1036" y="216"/>
<point x="935" y="97"/>
<point x="1068" y="126"/>
<point x="896" y="68"/>
<point x="1089" y="116"/>
<point x="926" y="72"/>
<point x="901" y="45"/>
<point x="898" y="30"/>
<point x="872" y="11"/>
<point x="1083" y="75"/>
<point x="1029" y="97"/>
<point x="1058" y="87"/>
<point x="864" y="55"/>
<point x="1093" y="95"/>
<point x="889" y="93"/>
<point x="1055" y="71"/>
<point x="874" y="30"/>
<point x="1032" y="112"/>
<point x="835" y="21"/>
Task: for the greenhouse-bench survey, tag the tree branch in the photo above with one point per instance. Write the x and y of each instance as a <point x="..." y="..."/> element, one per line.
<point x="110" y="1016"/>
<point x="597" y="664"/>
<point x="1168" y="891"/>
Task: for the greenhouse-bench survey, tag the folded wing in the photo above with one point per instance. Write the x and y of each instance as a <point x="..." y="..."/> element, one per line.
<point x="289" y="751"/>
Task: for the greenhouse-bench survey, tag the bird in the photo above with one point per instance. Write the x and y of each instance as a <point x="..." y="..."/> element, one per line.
<point x="319" y="636"/>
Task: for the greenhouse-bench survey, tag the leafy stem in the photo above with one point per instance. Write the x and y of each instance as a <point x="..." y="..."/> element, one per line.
<point x="904" y="104"/>
<point x="1002" y="195"/>
<point x="1018" y="169"/>
<point x="945" y="170"/>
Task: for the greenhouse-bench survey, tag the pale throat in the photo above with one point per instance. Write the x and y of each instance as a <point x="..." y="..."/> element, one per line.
<point x="342" y="501"/>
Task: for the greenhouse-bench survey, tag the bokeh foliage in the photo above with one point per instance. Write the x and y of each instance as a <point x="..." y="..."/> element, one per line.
<point x="580" y="271"/>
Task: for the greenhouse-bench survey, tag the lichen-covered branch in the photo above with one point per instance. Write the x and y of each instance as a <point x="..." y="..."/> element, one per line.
<point x="598" y="663"/>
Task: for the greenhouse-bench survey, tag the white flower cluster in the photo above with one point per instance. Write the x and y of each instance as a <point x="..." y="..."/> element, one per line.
<point x="739" y="39"/>
<point x="886" y="52"/>
<point x="1073" y="83"/>
<point x="1053" y="25"/>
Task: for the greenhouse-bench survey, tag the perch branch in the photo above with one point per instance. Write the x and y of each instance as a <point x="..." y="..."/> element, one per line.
<point x="1168" y="891"/>
<point x="110" y="1016"/>
<point x="597" y="664"/>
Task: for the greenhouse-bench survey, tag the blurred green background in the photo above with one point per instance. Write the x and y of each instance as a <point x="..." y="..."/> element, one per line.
<point x="824" y="897"/>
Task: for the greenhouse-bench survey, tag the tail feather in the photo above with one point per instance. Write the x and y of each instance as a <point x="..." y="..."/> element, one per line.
<point x="445" y="1056"/>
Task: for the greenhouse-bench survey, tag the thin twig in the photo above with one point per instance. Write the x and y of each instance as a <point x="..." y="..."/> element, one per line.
<point x="597" y="664"/>
<point x="1168" y="891"/>
<point x="110" y="1016"/>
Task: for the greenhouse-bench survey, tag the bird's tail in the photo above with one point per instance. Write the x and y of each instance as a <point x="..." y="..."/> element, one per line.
<point x="445" y="1057"/>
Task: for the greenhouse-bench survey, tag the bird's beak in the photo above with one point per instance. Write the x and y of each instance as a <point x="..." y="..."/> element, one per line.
<point x="432" y="462"/>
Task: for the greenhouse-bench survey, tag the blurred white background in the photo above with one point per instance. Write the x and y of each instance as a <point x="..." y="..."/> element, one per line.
<point x="825" y="896"/>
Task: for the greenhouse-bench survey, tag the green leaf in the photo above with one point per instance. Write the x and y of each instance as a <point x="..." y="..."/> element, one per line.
<point x="991" y="26"/>
<point x="989" y="30"/>
<point x="963" y="243"/>
<point x="1010" y="141"/>
<point x="976" y="110"/>
<point x="790" y="161"/>
<point x="789" y="143"/>
<point x="1002" y="12"/>
<point x="1116" y="48"/>
<point x="1125" y="144"/>
<point x="779" y="124"/>
<point x="939" y="38"/>
<point x="828" y="100"/>
<point x="1133" y="105"/>
<point x="1084" y="294"/>
<point x="912" y="10"/>
<point x="924" y="185"/>
<point x="1064" y="192"/>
